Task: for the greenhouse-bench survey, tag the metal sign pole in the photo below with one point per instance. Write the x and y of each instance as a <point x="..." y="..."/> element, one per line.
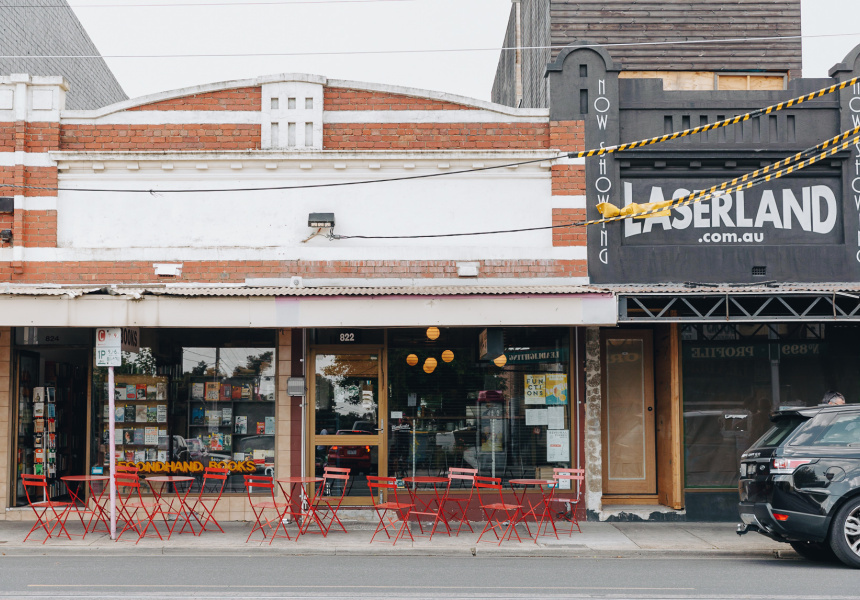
<point x="112" y="451"/>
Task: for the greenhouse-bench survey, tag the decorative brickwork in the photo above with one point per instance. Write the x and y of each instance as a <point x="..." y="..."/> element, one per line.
<point x="349" y="99"/>
<point x="434" y="136"/>
<point x="248" y="98"/>
<point x="160" y="137"/>
<point x="568" y="236"/>
<point x="237" y="271"/>
<point x="568" y="180"/>
<point x="567" y="135"/>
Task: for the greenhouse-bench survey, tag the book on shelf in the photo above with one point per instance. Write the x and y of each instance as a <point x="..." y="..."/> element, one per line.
<point x="38" y="394"/>
<point x="197" y="391"/>
<point x="162" y="438"/>
<point x="259" y="455"/>
<point x="119" y="414"/>
<point x="216" y="442"/>
<point x="129" y="413"/>
<point x="51" y="440"/>
<point x="128" y="436"/>
<point x="226" y="415"/>
<point x="131" y="392"/>
<point x="238" y="456"/>
<point x="151" y="391"/>
<point x="161" y="413"/>
<point x="119" y="393"/>
<point x="228" y="442"/>
<point x="117" y="435"/>
<point x="105" y="411"/>
<point x="150" y="436"/>
<point x="139" y="437"/>
<point x="270" y="426"/>
<point x="50" y="394"/>
<point x="140" y="413"/>
<point x="151" y="454"/>
<point x="226" y="392"/>
<point x="39" y="409"/>
<point x="241" y="426"/>
<point x="197" y="415"/>
<point x="261" y="427"/>
<point x="213" y="418"/>
<point x="38" y="425"/>
<point x="37" y="468"/>
<point x="105" y="436"/>
<point x="37" y="440"/>
<point x="152" y="414"/>
<point x="129" y="455"/>
<point x="51" y="410"/>
<point x="140" y="456"/>
<point x="246" y="391"/>
<point x="161" y="456"/>
<point x="141" y="391"/>
<point x="51" y="424"/>
<point x="212" y="391"/>
<point x="39" y="455"/>
<point x="236" y="391"/>
<point x="161" y="390"/>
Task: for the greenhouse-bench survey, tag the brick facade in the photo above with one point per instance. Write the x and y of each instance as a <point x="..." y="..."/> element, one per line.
<point x="434" y="136"/>
<point x="205" y="136"/>
<point x="349" y="99"/>
<point x="248" y="98"/>
<point x="568" y="236"/>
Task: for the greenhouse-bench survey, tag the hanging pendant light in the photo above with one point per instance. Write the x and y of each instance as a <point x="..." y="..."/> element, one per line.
<point x="412" y="360"/>
<point x="500" y="361"/>
<point x="433" y="333"/>
<point x="430" y="365"/>
<point x="447" y="356"/>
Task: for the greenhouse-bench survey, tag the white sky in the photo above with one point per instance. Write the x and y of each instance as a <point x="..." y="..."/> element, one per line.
<point x="202" y="27"/>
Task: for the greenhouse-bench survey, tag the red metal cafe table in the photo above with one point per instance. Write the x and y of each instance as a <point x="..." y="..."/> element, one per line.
<point x="301" y="507"/>
<point x="539" y="510"/>
<point x="424" y="502"/>
<point x="79" y="501"/>
<point x="177" y="504"/>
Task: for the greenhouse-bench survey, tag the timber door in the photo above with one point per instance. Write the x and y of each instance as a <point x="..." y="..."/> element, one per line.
<point x="629" y="457"/>
<point x="347" y="416"/>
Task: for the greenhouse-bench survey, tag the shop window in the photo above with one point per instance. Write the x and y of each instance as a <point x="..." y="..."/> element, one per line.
<point x="449" y="407"/>
<point x="190" y="401"/>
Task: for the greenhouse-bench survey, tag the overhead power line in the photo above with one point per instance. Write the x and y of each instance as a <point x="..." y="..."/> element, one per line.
<point x="425" y="51"/>
<point x="205" y="4"/>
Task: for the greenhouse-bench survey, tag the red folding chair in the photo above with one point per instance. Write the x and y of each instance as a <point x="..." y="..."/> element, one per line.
<point x="263" y="505"/>
<point x="461" y="505"/>
<point x="214" y="481"/>
<point x="501" y="515"/>
<point x="385" y="509"/>
<point x="47" y="510"/>
<point x="566" y="499"/>
<point x="328" y="500"/>
<point x="130" y="502"/>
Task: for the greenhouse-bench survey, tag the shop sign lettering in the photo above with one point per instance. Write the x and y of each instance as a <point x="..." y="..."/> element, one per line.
<point x="802" y="211"/>
<point x="194" y="466"/>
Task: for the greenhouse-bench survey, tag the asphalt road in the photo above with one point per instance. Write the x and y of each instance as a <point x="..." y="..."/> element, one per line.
<point x="389" y="577"/>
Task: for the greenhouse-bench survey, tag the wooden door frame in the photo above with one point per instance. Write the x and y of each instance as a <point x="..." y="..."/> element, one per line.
<point x="380" y="441"/>
<point x="642" y="492"/>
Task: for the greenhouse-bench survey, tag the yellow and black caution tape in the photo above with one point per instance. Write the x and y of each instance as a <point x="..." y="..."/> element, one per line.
<point x="776" y="170"/>
<point x="716" y="125"/>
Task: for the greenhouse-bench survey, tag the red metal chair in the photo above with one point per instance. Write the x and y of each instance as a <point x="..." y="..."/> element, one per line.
<point x="326" y="504"/>
<point x="378" y="486"/>
<point x="461" y="505"/>
<point x="500" y="515"/>
<point x="567" y="498"/>
<point x="265" y="504"/>
<point x="130" y="502"/>
<point x="47" y="510"/>
<point x="214" y="481"/>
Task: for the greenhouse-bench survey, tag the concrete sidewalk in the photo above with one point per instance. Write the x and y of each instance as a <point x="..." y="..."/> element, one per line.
<point x="598" y="539"/>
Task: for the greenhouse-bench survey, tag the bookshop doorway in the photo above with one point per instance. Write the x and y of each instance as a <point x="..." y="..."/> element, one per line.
<point x="51" y="417"/>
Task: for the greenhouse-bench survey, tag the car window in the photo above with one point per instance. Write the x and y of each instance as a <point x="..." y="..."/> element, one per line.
<point x="842" y="431"/>
<point x="780" y="430"/>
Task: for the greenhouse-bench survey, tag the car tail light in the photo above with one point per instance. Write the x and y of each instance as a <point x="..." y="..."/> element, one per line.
<point x="367" y="448"/>
<point x="788" y="465"/>
<point x="334" y="447"/>
<point x="780" y="517"/>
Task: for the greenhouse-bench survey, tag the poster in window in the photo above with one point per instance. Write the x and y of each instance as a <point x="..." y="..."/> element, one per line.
<point x="556" y="388"/>
<point x="197" y="391"/>
<point x="557" y="445"/>
<point x="161" y="390"/>
<point x="150" y="436"/>
<point x="213" y="388"/>
<point x="535" y="389"/>
<point x="151" y="391"/>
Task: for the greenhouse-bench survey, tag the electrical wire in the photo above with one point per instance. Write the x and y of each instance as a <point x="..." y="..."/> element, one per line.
<point x="206" y="4"/>
<point x="427" y="51"/>
<point x="776" y="170"/>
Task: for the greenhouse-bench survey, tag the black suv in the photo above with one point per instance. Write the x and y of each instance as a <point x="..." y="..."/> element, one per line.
<point x="800" y="483"/>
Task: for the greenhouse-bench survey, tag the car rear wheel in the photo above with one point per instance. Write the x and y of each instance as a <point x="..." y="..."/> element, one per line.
<point x="845" y="534"/>
<point x="814" y="551"/>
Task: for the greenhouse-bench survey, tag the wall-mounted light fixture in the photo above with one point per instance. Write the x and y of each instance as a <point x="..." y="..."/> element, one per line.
<point x="6" y="236"/>
<point x="7" y="205"/>
<point x="321" y="220"/>
<point x="168" y="269"/>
